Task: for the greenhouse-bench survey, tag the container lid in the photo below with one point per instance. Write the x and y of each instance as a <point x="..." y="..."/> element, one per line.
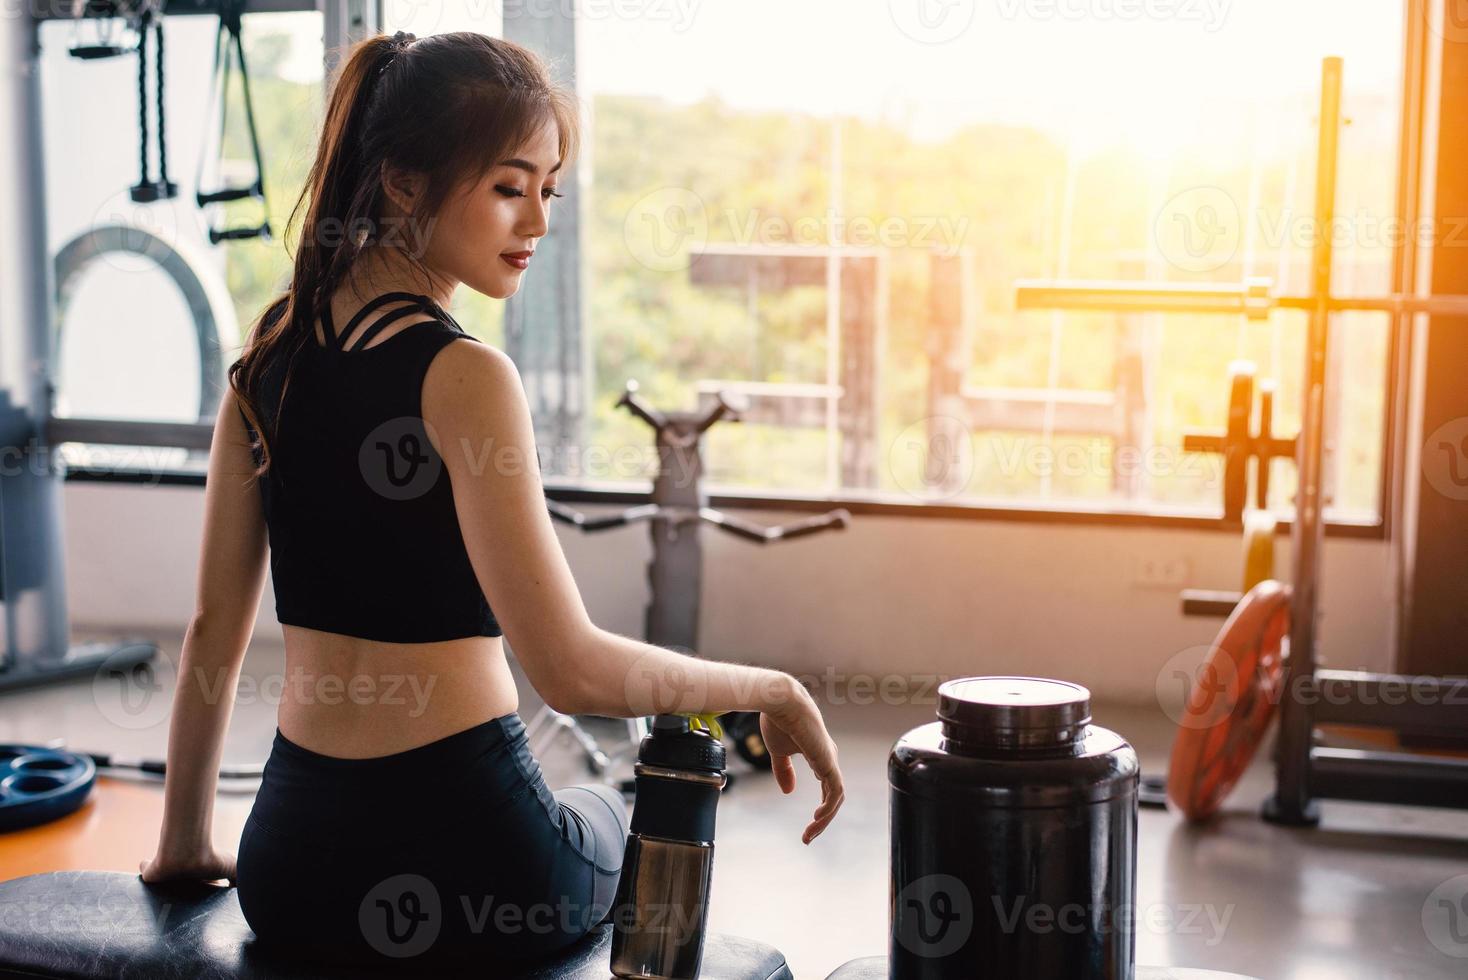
<point x="672" y="744"/>
<point x="1013" y="712"/>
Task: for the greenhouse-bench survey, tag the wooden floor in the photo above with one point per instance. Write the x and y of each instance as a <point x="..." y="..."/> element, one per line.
<point x="1356" y="899"/>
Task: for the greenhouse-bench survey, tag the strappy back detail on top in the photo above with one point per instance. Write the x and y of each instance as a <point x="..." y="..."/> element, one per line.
<point x="336" y="342"/>
<point x="364" y="536"/>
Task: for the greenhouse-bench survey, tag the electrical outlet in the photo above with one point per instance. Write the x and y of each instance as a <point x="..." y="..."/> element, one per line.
<point x="1159" y="573"/>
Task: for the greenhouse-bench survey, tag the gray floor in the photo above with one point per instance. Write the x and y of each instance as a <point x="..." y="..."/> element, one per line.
<point x="1352" y="900"/>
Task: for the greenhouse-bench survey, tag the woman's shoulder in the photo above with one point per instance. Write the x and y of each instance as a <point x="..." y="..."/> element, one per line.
<point x="466" y="370"/>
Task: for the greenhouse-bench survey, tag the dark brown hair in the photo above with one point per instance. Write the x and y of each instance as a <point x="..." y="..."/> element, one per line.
<point x="448" y="106"/>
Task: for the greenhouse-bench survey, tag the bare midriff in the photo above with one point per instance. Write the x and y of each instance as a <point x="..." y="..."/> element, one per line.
<point x="354" y="698"/>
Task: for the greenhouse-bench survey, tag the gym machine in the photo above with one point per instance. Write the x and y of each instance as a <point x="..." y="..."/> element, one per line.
<point x="1268" y="650"/>
<point x="679" y="507"/>
<point x="36" y="647"/>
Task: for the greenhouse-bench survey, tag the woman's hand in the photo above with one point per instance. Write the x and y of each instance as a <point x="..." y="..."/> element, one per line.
<point x="196" y="864"/>
<point x="795" y="727"/>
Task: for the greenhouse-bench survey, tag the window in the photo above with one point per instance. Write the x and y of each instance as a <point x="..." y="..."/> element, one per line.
<point x="132" y="319"/>
<point x="1015" y="141"/>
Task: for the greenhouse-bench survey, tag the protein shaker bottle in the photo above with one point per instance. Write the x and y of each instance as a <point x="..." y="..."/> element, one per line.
<point x="661" y="905"/>
<point x="1014" y="827"/>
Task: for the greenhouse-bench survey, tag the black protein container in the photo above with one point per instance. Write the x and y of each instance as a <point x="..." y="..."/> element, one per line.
<point x="1014" y="828"/>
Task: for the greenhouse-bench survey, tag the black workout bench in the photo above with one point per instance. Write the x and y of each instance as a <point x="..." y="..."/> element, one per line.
<point x="95" y="924"/>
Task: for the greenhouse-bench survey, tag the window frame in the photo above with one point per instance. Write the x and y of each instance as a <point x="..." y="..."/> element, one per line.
<point x="888" y="503"/>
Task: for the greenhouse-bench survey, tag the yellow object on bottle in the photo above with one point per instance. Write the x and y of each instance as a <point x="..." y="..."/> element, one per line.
<point x="706" y="721"/>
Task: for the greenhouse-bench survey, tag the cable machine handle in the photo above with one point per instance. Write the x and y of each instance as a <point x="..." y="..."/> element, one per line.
<point x="230" y="194"/>
<point x="217" y="235"/>
<point x="835" y="520"/>
<point x="569" y="515"/>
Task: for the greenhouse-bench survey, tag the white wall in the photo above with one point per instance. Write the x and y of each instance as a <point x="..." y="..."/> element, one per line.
<point x="890" y="595"/>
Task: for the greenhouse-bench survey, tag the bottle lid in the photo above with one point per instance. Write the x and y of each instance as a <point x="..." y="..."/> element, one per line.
<point x="1013" y="712"/>
<point x="673" y="745"/>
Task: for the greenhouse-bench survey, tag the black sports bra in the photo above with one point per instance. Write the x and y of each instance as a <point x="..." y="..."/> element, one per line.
<point x="364" y="537"/>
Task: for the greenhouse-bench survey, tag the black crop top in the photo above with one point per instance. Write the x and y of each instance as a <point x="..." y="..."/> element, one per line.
<point x="364" y="537"/>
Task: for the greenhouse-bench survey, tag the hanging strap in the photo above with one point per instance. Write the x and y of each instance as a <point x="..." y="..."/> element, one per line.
<point x="229" y="35"/>
<point x="420" y="304"/>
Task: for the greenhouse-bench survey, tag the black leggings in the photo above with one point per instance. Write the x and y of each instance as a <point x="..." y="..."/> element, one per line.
<point x="452" y="850"/>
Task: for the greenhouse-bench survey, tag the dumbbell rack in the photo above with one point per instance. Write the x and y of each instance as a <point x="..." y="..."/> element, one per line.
<point x="1305" y="771"/>
<point x="679" y="506"/>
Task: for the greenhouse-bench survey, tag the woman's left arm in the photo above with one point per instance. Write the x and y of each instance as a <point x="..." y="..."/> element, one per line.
<point x="232" y="567"/>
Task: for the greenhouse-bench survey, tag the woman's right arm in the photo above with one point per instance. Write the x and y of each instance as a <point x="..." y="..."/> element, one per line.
<point x="476" y="413"/>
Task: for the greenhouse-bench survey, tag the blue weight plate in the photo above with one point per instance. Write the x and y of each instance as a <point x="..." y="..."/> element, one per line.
<point x="38" y="785"/>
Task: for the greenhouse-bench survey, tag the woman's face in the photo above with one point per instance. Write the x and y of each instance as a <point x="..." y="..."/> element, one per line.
<point x="483" y="225"/>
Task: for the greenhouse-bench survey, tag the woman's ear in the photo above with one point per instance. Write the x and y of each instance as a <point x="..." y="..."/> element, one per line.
<point x="403" y="187"/>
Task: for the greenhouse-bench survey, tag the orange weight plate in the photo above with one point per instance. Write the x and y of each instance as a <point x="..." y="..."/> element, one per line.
<point x="1232" y="701"/>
